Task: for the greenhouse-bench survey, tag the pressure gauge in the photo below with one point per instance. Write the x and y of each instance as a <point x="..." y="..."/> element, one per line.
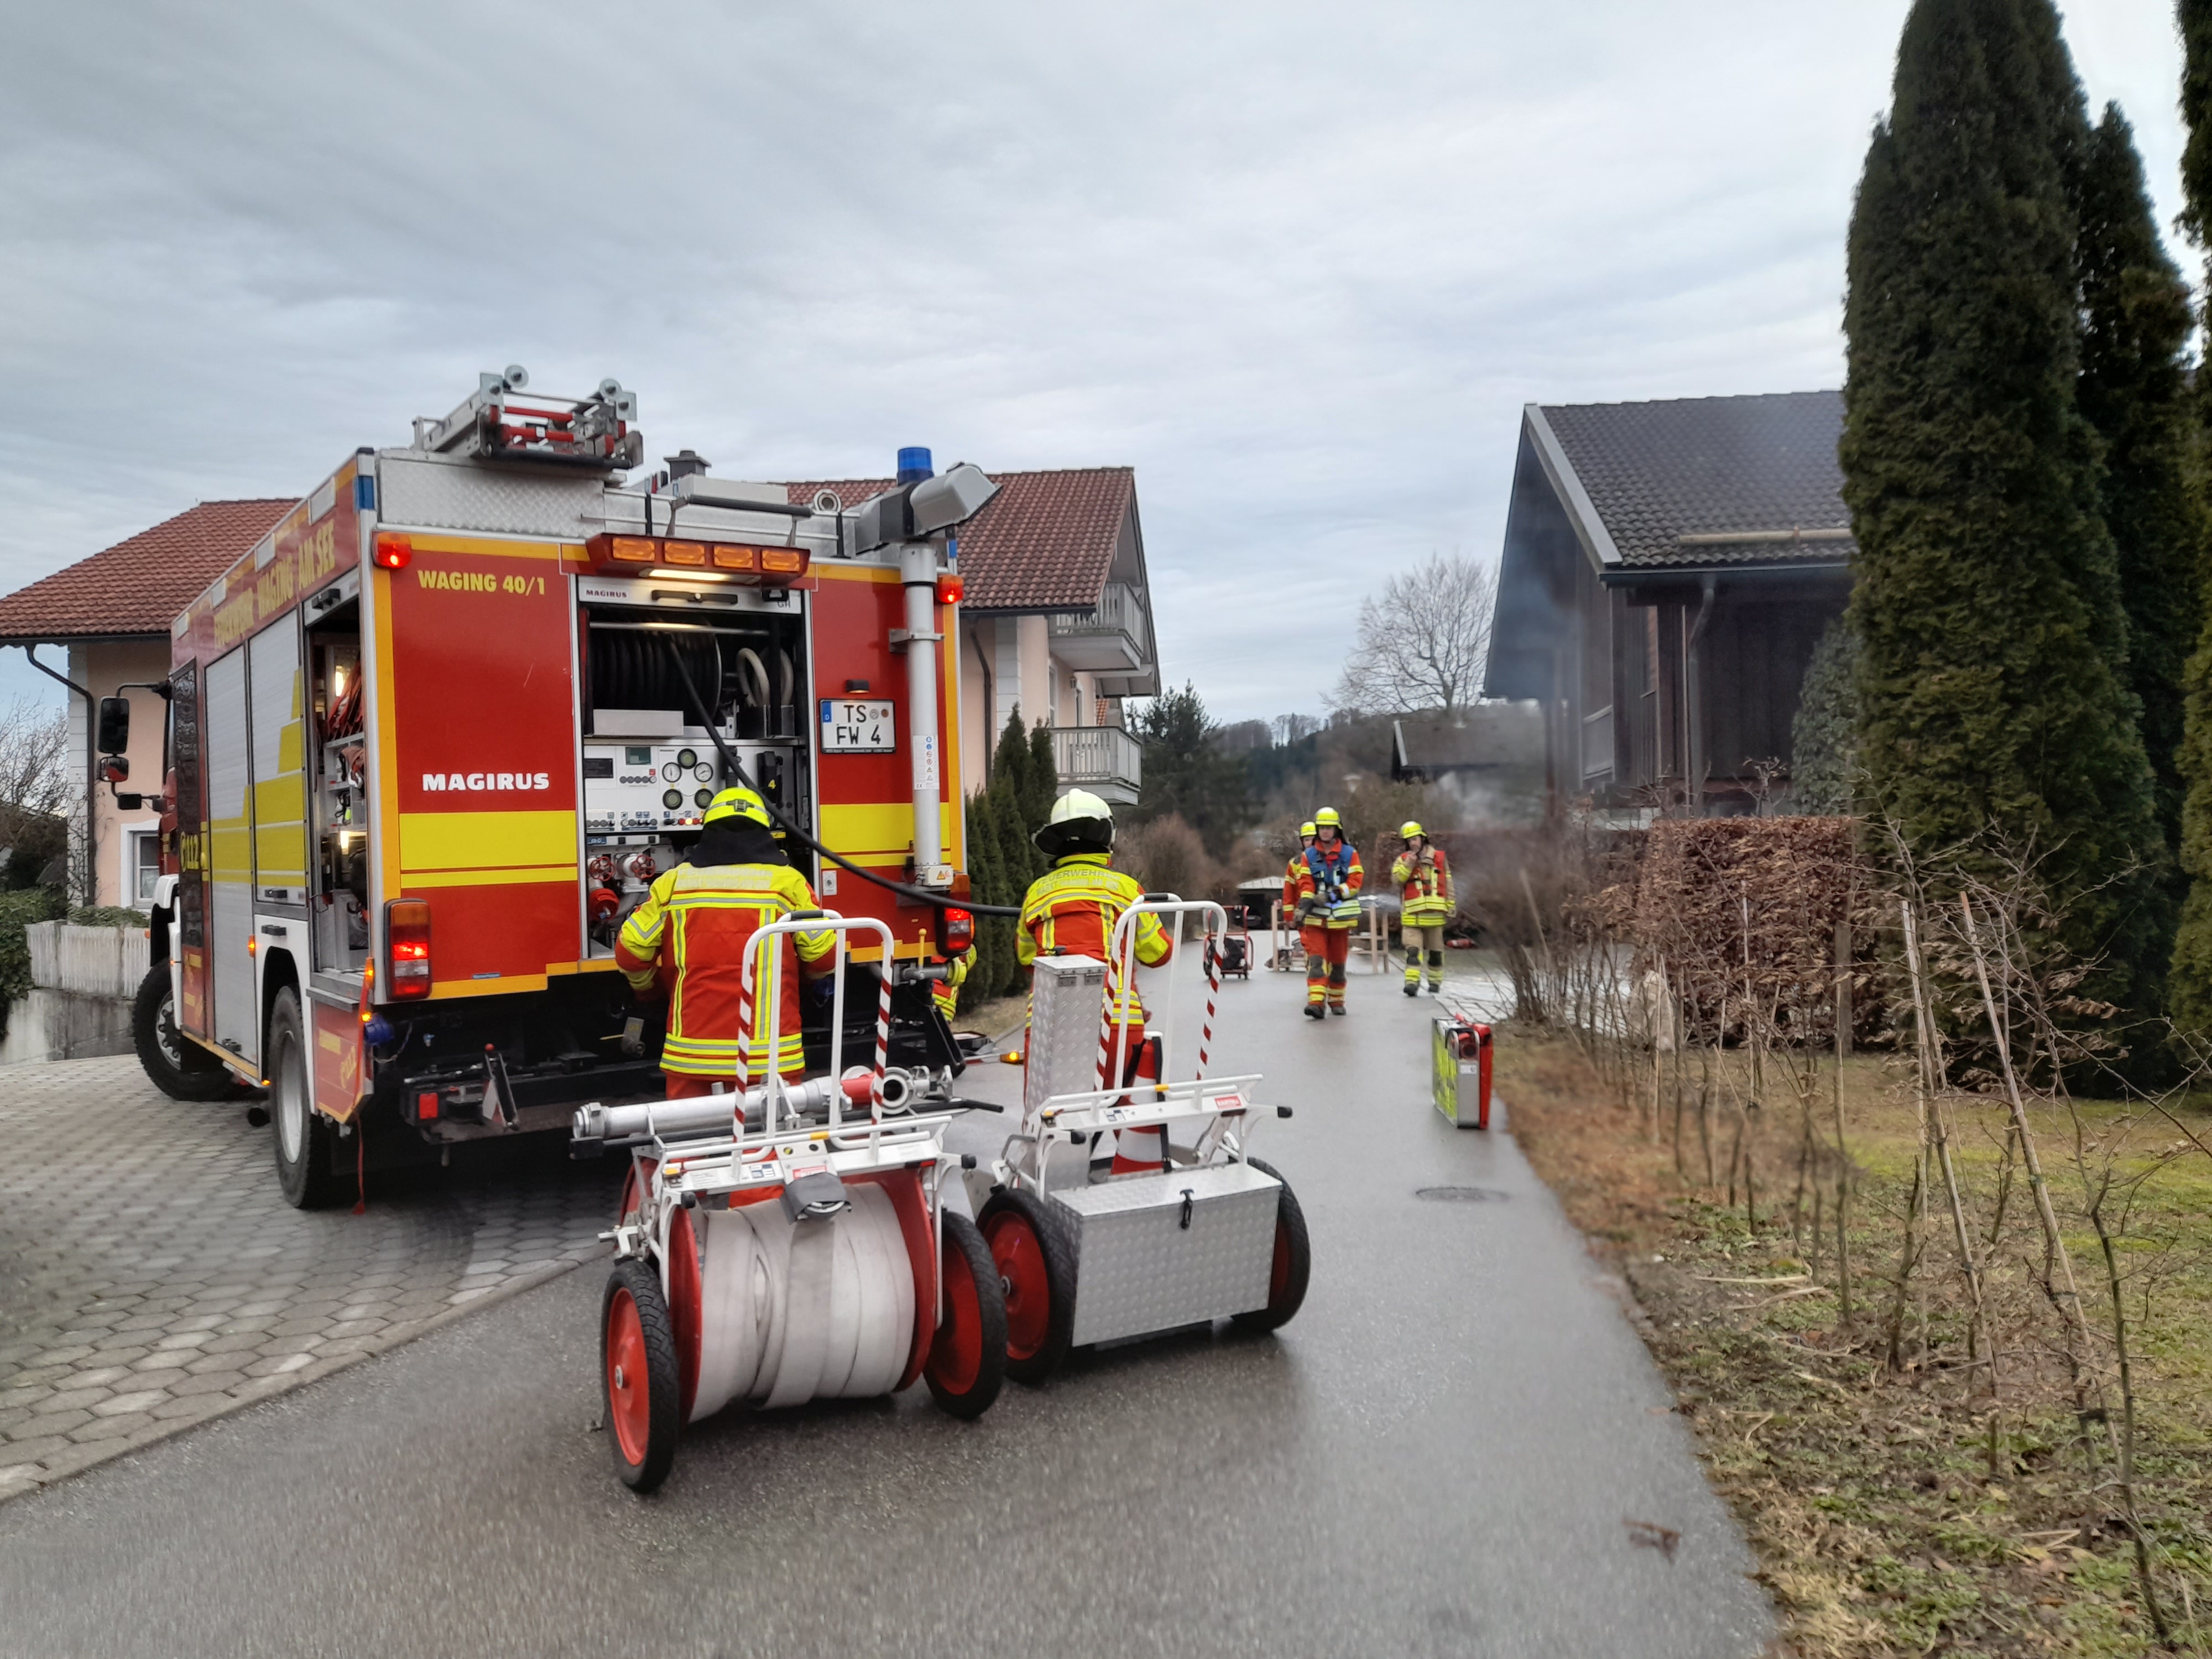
<point x="687" y="758"/>
<point x="703" y="771"/>
<point x="671" y="771"/>
<point x="705" y="798"/>
<point x="672" y="799"/>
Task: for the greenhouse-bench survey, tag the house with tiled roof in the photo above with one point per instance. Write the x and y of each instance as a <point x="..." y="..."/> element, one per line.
<point x="105" y="621"/>
<point x="1056" y="620"/>
<point x="1668" y="567"/>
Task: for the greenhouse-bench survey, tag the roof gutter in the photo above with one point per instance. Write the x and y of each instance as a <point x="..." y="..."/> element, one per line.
<point x="1630" y="575"/>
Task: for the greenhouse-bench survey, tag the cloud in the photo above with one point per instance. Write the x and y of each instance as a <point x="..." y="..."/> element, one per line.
<point x="1300" y="266"/>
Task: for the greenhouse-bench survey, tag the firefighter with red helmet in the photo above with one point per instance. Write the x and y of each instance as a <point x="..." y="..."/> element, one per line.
<point x="1072" y="910"/>
<point x="692" y="934"/>
<point x="1329" y="878"/>
<point x="1423" y="877"/>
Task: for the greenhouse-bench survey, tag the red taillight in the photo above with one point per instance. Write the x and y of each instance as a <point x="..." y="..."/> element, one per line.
<point x="407" y="939"/>
<point x="426" y="1106"/>
<point x="956" y="932"/>
<point x="394" y="552"/>
<point x="949" y="589"/>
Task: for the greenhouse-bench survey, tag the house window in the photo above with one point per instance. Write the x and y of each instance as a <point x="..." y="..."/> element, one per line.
<point x="145" y="865"/>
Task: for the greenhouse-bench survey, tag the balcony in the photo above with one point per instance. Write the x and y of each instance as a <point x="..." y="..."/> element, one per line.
<point x="1103" y="759"/>
<point x="1113" y="639"/>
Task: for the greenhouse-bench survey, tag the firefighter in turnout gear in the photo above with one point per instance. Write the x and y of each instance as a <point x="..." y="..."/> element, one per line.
<point x="1071" y="910"/>
<point x="1290" y="889"/>
<point x="1422" y="875"/>
<point x="945" y="992"/>
<point x="1329" y="880"/>
<point x="691" y="934"/>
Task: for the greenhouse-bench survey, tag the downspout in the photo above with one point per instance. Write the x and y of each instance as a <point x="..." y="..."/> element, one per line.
<point x="1693" y="690"/>
<point x="91" y="769"/>
<point x="990" y="698"/>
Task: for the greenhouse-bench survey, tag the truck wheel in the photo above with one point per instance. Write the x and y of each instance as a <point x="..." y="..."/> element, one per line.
<point x="179" y="1069"/>
<point x="968" y="1354"/>
<point x="637" y="1371"/>
<point x="1039" y="1280"/>
<point x="303" y="1134"/>
<point x="1287" y="1284"/>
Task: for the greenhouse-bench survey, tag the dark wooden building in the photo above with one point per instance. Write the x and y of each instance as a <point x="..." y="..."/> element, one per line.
<point x="1668" y="567"/>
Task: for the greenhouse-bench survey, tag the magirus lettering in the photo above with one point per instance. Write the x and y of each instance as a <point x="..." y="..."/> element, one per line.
<point x="455" y="782"/>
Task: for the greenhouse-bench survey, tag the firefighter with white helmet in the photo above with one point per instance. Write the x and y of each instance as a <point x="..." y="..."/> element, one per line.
<point x="1329" y="878"/>
<point x="1071" y="910"/>
<point x="1423" y="877"/>
<point x="691" y="934"/>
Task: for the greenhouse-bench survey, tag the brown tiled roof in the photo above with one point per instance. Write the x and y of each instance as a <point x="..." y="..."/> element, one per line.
<point x="1045" y="542"/>
<point x="140" y="586"/>
<point x="1759" y="467"/>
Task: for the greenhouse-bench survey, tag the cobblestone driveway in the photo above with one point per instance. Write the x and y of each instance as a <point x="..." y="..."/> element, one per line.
<point x="152" y="1276"/>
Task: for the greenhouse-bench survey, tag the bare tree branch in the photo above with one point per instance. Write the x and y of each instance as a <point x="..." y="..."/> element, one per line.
<point x="1422" y="641"/>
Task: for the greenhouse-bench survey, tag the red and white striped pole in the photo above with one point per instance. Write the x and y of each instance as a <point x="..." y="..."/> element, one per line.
<point x="1213" y="990"/>
<point x="745" y="1037"/>
<point x="882" y="1036"/>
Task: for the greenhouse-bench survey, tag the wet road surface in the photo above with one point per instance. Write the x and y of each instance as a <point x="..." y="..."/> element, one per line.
<point x="1440" y="1455"/>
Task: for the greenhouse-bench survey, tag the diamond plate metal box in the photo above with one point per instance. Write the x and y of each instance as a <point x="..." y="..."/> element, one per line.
<point x="1068" y="999"/>
<point x="1157" y="1251"/>
<point x="434" y="492"/>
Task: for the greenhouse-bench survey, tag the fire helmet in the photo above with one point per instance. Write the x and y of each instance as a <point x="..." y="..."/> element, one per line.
<point x="1306" y="831"/>
<point x="1408" y="829"/>
<point x="1080" y="823"/>
<point x="1328" y="818"/>
<point x="738" y="802"/>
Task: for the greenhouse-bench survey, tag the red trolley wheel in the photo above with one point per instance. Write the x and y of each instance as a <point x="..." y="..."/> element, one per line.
<point x="1293" y="1264"/>
<point x="638" y="1373"/>
<point x="967" y="1353"/>
<point x="1039" y="1281"/>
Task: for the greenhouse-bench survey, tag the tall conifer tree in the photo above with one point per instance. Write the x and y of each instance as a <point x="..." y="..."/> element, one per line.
<point x="1994" y="648"/>
<point x="2134" y="391"/>
<point x="2190" y="980"/>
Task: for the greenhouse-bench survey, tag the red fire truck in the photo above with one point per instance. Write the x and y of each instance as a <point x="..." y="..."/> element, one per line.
<point x="433" y="738"/>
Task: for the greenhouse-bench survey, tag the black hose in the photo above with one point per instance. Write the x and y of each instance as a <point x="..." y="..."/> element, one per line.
<point x="733" y="767"/>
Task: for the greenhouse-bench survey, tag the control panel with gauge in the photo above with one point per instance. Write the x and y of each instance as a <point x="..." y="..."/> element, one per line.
<point x="644" y="801"/>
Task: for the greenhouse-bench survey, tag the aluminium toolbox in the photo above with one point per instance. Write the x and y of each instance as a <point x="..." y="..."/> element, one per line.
<point x="1156" y="1252"/>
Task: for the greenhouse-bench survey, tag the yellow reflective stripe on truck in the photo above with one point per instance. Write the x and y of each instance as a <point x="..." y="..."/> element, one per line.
<point x="488" y="841"/>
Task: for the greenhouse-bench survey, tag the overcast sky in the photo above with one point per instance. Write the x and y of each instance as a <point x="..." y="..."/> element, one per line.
<point x="1300" y="266"/>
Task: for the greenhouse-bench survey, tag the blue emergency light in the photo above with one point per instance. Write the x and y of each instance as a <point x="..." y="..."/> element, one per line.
<point x="913" y="464"/>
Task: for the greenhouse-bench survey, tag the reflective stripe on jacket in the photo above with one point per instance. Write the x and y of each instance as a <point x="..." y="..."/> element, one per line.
<point x="1071" y="909"/>
<point x="692" y="932"/>
<point x="1332" y="882"/>
<point x="1425" y="887"/>
<point x="945" y="992"/>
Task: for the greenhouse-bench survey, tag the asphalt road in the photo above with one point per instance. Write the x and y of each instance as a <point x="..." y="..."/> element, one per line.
<point x="1441" y="1456"/>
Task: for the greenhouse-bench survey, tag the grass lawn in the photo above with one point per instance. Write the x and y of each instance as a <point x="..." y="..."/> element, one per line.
<point x="1896" y="1504"/>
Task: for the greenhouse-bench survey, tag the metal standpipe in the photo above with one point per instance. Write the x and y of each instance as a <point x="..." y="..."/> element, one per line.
<point x="918" y="574"/>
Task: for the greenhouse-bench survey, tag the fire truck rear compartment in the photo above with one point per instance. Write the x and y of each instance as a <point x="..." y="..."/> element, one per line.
<point x="650" y="769"/>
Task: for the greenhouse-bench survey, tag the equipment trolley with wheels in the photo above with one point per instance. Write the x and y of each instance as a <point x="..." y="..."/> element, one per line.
<point x="789" y="1243"/>
<point x="1088" y="1259"/>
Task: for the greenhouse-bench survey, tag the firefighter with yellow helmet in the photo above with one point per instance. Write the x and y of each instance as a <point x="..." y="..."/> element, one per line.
<point x="1291" y="876"/>
<point x="1329" y="878"/>
<point x="1071" y="910"/>
<point x="692" y="934"/>
<point x="1423" y="876"/>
